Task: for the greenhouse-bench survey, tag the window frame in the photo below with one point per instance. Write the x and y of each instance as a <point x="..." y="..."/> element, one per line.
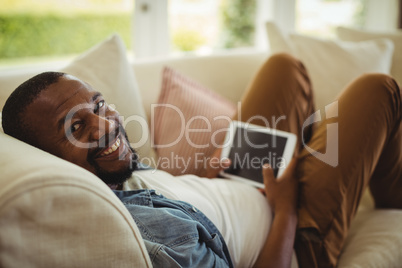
<point x="151" y="34"/>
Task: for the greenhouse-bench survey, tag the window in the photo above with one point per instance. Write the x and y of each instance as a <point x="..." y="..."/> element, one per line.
<point x="207" y="25"/>
<point x="177" y="26"/>
<point x="321" y="17"/>
<point x="38" y="31"/>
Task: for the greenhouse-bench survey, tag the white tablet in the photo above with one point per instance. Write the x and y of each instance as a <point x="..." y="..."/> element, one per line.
<point x="249" y="147"/>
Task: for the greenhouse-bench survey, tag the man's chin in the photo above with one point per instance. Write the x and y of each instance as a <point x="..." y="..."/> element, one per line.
<point x="114" y="178"/>
<point x="128" y="165"/>
<point x="120" y="176"/>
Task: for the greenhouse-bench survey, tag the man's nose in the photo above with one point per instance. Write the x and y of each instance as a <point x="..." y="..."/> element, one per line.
<point x="101" y="126"/>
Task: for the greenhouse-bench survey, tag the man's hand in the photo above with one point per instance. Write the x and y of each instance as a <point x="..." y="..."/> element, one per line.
<point x="215" y="164"/>
<point x="282" y="197"/>
<point x="281" y="192"/>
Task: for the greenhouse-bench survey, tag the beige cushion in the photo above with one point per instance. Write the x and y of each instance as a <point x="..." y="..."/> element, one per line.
<point x="374" y="240"/>
<point x="333" y="64"/>
<point x="190" y="122"/>
<point x="56" y="214"/>
<point x="348" y="34"/>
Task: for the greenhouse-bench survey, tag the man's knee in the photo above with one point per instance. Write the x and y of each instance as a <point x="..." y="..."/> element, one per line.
<point x="378" y="83"/>
<point x="282" y="60"/>
<point x="288" y="68"/>
<point x="382" y="88"/>
<point x="283" y="56"/>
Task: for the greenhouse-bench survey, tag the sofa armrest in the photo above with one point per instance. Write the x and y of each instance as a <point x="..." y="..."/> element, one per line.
<point x="56" y="214"/>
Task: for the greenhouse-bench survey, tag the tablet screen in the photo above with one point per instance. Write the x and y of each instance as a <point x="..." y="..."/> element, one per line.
<point x="251" y="150"/>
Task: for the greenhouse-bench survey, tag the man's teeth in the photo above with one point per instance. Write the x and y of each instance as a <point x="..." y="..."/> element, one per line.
<point x="112" y="148"/>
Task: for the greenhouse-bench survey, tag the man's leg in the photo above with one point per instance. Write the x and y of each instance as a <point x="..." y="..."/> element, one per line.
<point x="384" y="184"/>
<point x="369" y="145"/>
<point x="369" y="126"/>
<point x="280" y="96"/>
<point x="369" y="134"/>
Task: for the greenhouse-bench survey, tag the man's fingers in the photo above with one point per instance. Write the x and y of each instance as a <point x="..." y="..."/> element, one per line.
<point x="267" y="172"/>
<point x="262" y="191"/>
<point x="225" y="163"/>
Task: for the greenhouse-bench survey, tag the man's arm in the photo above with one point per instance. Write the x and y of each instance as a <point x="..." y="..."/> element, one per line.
<point x="282" y="196"/>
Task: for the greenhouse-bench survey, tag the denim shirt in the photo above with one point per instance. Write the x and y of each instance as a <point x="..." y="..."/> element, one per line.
<point x="175" y="233"/>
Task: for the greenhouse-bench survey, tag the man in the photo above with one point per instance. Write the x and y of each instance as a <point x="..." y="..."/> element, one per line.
<point x="39" y="112"/>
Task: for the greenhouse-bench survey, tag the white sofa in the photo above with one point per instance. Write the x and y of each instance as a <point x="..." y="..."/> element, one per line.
<point x="55" y="214"/>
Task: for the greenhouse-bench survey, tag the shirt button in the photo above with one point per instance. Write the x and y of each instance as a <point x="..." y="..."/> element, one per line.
<point x="157" y="193"/>
<point x="194" y="209"/>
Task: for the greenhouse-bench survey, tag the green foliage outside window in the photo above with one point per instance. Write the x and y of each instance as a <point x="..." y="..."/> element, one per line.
<point x="25" y="35"/>
<point x="238" y="19"/>
<point x="361" y="13"/>
<point x="187" y="40"/>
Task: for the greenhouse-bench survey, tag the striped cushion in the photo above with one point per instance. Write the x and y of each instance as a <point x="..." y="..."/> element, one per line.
<point x="189" y="123"/>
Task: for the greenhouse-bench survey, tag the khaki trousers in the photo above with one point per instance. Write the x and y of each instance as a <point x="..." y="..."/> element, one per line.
<point x="357" y="143"/>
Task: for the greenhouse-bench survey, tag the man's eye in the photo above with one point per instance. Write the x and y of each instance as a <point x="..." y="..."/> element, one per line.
<point x="99" y="105"/>
<point x="75" y="127"/>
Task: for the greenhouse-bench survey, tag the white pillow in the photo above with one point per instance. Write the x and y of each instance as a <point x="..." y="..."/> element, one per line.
<point x="191" y="107"/>
<point x="348" y="34"/>
<point x="278" y="41"/>
<point x="106" y="68"/>
<point x="333" y="64"/>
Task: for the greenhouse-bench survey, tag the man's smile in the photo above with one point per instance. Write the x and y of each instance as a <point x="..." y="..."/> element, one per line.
<point x="111" y="149"/>
<point x="117" y="150"/>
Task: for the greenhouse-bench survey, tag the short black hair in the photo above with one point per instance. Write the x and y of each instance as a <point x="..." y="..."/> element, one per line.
<point x="16" y="104"/>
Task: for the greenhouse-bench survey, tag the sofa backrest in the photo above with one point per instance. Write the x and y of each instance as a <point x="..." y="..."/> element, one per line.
<point x="227" y="74"/>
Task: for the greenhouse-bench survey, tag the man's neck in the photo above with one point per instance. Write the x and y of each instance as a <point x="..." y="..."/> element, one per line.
<point x="115" y="186"/>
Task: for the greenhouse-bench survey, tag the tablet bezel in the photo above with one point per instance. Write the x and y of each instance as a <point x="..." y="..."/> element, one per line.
<point x="227" y="145"/>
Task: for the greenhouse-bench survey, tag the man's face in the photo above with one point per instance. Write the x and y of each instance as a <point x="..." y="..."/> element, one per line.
<point x="72" y="121"/>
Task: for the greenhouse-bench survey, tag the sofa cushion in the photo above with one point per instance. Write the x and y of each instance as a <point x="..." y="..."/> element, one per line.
<point x="374" y="240"/>
<point x="332" y="64"/>
<point x="105" y="67"/>
<point x="348" y="34"/>
<point x="189" y="123"/>
<point x="56" y="214"/>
